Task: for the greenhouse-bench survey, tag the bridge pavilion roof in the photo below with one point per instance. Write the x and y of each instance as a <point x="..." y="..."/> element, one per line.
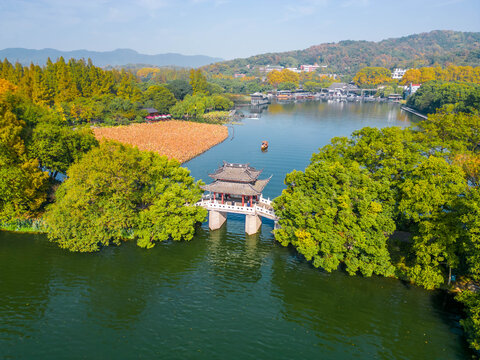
<point x="243" y="173"/>
<point x="237" y="188"/>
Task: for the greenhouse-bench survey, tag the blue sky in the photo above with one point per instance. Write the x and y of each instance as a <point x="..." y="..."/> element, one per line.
<point x="223" y="28"/>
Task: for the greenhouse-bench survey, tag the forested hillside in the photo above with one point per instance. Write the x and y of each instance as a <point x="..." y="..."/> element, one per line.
<point x="83" y="93"/>
<point x="347" y="57"/>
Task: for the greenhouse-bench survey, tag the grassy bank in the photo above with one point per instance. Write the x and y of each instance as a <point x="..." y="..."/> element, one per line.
<point x="24" y="226"/>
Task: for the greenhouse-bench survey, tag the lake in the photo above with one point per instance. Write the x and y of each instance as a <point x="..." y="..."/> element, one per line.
<point x="224" y="294"/>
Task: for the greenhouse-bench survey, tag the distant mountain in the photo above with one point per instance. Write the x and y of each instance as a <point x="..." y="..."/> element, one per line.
<point x="440" y="47"/>
<point x="117" y="57"/>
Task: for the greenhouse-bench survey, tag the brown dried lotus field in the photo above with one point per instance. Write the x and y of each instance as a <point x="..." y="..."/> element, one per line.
<point x="181" y="140"/>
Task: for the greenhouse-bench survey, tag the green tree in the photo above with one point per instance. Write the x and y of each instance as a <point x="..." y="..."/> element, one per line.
<point x="127" y="90"/>
<point x="385" y="91"/>
<point x="312" y="86"/>
<point x="198" y="82"/>
<point x="116" y="191"/>
<point x="287" y="86"/>
<point x="336" y="213"/>
<point x="471" y="324"/>
<point x="470" y="218"/>
<point x="435" y="94"/>
<point x="388" y="154"/>
<point x="214" y="89"/>
<point x="23" y="185"/>
<point x="221" y="103"/>
<point x="57" y="147"/>
<point x="179" y="88"/>
<point x="431" y="194"/>
<point x="160" y="98"/>
<point x="447" y="131"/>
<point x="195" y="106"/>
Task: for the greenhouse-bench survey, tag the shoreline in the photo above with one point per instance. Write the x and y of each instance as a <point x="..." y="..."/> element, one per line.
<point x="413" y="111"/>
<point x="35" y="226"/>
<point x="204" y="151"/>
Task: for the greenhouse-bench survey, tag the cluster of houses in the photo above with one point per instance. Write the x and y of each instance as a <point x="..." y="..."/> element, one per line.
<point x="336" y="91"/>
<point x="303" y="68"/>
<point x="397" y="73"/>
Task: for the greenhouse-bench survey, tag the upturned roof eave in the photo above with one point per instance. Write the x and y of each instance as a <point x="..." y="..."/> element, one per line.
<point x="238" y="188"/>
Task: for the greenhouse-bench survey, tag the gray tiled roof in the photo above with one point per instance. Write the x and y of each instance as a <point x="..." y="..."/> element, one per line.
<point x="150" y="110"/>
<point x="342" y="86"/>
<point x="236" y="172"/>
<point x="235" y="188"/>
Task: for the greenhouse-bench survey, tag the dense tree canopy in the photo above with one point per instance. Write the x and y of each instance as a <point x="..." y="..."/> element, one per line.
<point x="431" y="197"/>
<point x="424" y="189"/>
<point x="197" y="105"/>
<point x="23" y="185"/>
<point x="179" y="88"/>
<point x="335" y="213"/>
<point x="198" y="82"/>
<point x="275" y="77"/>
<point x="57" y="147"/>
<point x="317" y="84"/>
<point x="372" y="76"/>
<point x="34" y="141"/>
<point x="84" y="93"/>
<point x="421" y="181"/>
<point x="160" y="98"/>
<point x="435" y="94"/>
<point x="451" y="132"/>
<point x="116" y="191"/>
<point x="451" y="73"/>
<point x="241" y="86"/>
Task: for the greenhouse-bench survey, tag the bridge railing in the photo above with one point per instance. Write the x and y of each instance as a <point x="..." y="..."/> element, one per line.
<point x="210" y="204"/>
<point x="265" y="201"/>
<point x="261" y="200"/>
<point x="217" y="205"/>
<point x="265" y="212"/>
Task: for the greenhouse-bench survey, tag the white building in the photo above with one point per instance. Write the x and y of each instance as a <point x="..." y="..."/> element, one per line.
<point x="309" y="68"/>
<point x="294" y="70"/>
<point x="269" y="68"/>
<point x="411" y="89"/>
<point x="398" y="73"/>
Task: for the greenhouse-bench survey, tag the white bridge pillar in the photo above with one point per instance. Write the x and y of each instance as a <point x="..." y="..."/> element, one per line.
<point x="216" y="219"/>
<point x="252" y="224"/>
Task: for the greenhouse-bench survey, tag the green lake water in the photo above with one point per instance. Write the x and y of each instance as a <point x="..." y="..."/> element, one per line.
<point x="224" y="295"/>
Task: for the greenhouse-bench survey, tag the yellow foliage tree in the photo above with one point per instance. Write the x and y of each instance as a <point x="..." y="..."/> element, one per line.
<point x="372" y="76"/>
<point x="147" y="72"/>
<point x="411" y="76"/>
<point x="427" y="74"/>
<point x="470" y="163"/>
<point x="451" y="73"/>
<point x="6" y="86"/>
<point x="276" y="77"/>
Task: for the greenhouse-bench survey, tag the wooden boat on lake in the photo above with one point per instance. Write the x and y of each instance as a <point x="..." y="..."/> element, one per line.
<point x="264" y="145"/>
